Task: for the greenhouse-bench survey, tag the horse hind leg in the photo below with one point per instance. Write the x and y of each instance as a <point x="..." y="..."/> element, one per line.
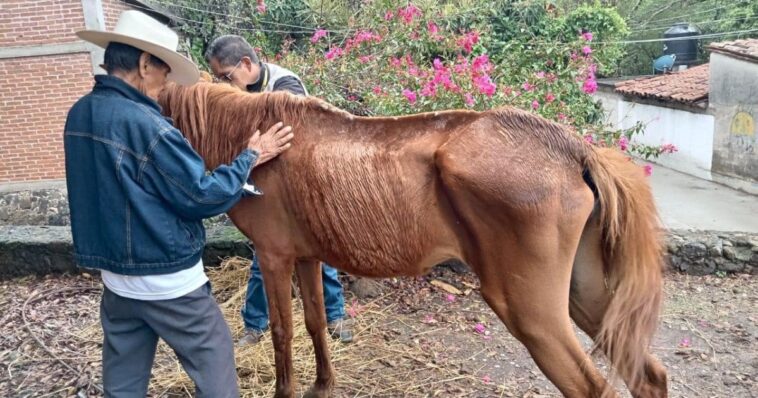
<point x="589" y="299"/>
<point x="311" y="289"/>
<point x="531" y="298"/>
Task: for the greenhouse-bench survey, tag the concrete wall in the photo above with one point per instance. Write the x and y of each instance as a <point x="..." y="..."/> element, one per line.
<point x="691" y="131"/>
<point x="734" y="101"/>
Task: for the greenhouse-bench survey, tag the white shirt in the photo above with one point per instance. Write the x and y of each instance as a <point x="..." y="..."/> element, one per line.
<point x="156" y="287"/>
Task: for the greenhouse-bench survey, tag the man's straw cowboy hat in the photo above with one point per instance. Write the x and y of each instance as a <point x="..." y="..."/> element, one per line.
<point x="139" y="30"/>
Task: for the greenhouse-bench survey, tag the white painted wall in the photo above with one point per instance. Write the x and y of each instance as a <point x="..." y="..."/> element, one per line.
<point x="692" y="133"/>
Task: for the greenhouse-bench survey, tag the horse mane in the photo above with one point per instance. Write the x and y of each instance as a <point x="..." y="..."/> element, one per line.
<point x="218" y="120"/>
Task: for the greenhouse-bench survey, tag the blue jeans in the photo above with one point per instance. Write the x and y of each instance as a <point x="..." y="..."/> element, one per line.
<point x="255" y="310"/>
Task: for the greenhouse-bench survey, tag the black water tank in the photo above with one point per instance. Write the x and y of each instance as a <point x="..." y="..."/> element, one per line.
<point x="685" y="49"/>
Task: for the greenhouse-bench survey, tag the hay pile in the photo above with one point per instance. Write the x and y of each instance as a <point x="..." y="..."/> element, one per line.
<point x="375" y="365"/>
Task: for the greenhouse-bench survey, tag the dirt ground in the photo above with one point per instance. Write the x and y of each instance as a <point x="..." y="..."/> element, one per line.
<point x="416" y="339"/>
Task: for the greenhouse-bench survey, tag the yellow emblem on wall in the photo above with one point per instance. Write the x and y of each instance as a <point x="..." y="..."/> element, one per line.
<point x="742" y="124"/>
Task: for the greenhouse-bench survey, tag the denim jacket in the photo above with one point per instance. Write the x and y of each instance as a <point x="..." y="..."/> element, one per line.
<point x="137" y="190"/>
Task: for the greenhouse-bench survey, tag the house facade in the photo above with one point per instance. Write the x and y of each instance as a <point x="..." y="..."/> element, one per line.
<point x="44" y="68"/>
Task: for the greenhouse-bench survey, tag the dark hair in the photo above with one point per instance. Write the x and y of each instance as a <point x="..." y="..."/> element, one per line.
<point x="230" y="49"/>
<point x="123" y="57"/>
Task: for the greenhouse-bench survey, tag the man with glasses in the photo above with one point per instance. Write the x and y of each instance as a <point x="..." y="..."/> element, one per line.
<point x="233" y="60"/>
<point x="138" y="193"/>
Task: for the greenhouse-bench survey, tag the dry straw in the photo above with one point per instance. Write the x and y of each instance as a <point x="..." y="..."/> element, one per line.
<point x="375" y="365"/>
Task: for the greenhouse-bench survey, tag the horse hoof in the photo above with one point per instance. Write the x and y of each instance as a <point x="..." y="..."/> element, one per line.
<point x="317" y="392"/>
<point x="284" y="394"/>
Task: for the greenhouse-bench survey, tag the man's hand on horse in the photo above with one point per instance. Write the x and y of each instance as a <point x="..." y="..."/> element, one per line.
<point x="272" y="143"/>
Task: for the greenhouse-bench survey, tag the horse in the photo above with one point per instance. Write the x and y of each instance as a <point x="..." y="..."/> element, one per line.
<point x="554" y="228"/>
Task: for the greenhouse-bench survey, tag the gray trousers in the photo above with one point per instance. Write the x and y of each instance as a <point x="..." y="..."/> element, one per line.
<point x="193" y="327"/>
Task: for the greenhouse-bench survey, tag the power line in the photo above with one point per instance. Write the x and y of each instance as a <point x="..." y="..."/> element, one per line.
<point x="652" y="29"/>
<point x="704" y="36"/>
<point x="230" y="25"/>
<point x="186" y="7"/>
<point x="681" y="16"/>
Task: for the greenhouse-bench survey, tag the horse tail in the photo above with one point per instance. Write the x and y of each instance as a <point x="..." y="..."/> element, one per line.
<point x="632" y="254"/>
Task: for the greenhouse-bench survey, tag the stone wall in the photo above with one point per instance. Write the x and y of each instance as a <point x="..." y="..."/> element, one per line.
<point x="35" y="239"/>
<point x="29" y="250"/>
<point x="708" y="252"/>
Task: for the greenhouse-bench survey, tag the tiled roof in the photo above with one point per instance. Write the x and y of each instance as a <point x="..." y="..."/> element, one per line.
<point x="746" y="49"/>
<point x="689" y="86"/>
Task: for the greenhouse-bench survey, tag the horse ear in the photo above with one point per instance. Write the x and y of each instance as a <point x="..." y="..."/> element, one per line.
<point x="205" y="77"/>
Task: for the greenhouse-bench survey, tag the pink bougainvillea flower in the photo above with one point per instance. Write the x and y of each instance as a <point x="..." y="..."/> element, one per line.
<point x="409" y="12"/>
<point x="590" y="85"/>
<point x="486" y="379"/>
<point x="389" y="15"/>
<point x="468" y="41"/>
<point x="469" y="99"/>
<point x="623" y="143"/>
<point x="365" y="35"/>
<point x="586" y="50"/>
<point x="527" y="86"/>
<point x="429" y="319"/>
<point x="589" y="138"/>
<point x="410" y="95"/>
<point x="333" y="53"/>
<point x="549" y="97"/>
<point x="437" y="64"/>
<point x="442" y="76"/>
<point x="377" y="89"/>
<point x="318" y="35"/>
<point x="551" y="78"/>
<point x="507" y="90"/>
<point x="562" y="117"/>
<point x="574" y="56"/>
<point x="480" y="328"/>
<point x="669" y="148"/>
<point x="354" y="310"/>
<point x="396" y="62"/>
<point x="461" y="67"/>
<point x="648" y="170"/>
<point x="261" y="7"/>
<point x="485" y="85"/>
<point x="450" y="298"/>
<point x="587" y="36"/>
<point x="434" y="31"/>
<point x="540" y="75"/>
<point x="429" y="90"/>
<point x="481" y="64"/>
<point x="685" y="342"/>
<point x="364" y="59"/>
<point x="535" y="104"/>
<point x="414" y="71"/>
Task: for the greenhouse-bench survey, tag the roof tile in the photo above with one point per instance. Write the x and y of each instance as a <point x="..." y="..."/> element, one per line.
<point x="744" y="48"/>
<point x="689" y="86"/>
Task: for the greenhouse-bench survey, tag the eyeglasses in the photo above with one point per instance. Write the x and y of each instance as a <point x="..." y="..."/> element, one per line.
<point x="228" y="77"/>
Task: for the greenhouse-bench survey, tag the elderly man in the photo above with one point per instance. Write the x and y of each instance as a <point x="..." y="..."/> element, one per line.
<point x="138" y="193"/>
<point x="234" y="61"/>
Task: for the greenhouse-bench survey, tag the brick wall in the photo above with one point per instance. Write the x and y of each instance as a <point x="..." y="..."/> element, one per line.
<point x="33" y="111"/>
<point x="37" y="92"/>
<point x="112" y="9"/>
<point x="24" y="22"/>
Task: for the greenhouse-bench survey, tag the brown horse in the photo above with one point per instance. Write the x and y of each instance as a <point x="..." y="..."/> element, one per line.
<point x="554" y="228"/>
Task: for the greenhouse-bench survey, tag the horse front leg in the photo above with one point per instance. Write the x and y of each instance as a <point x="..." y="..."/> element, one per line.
<point x="277" y="276"/>
<point x="312" y="291"/>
